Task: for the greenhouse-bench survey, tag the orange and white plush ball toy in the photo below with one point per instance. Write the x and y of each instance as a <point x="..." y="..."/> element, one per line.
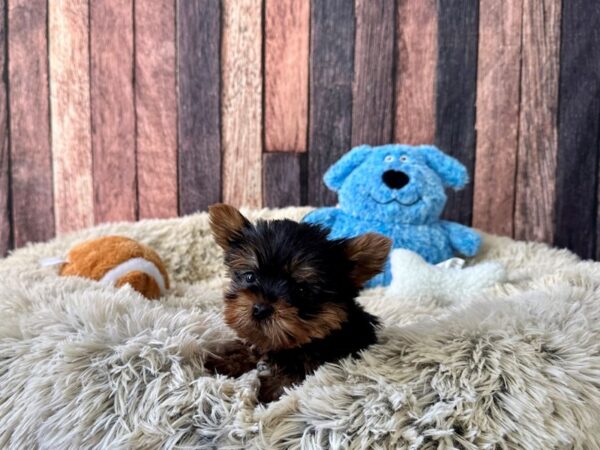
<point x="117" y="260"/>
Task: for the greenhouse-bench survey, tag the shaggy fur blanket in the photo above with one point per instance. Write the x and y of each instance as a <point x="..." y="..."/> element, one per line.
<point x="86" y="366"/>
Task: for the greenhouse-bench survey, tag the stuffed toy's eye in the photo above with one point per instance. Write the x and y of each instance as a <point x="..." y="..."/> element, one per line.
<point x="404" y="158"/>
<point x="249" y="277"/>
<point x="388" y="159"/>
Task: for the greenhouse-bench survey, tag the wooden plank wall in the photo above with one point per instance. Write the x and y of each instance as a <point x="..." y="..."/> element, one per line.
<point x="199" y="64"/>
<point x="241" y="107"/>
<point x="5" y="229"/>
<point x="70" y="114"/>
<point x="117" y="111"/>
<point x="156" y="108"/>
<point x="497" y="121"/>
<point x="578" y="129"/>
<point x="31" y="190"/>
<point x="112" y="110"/>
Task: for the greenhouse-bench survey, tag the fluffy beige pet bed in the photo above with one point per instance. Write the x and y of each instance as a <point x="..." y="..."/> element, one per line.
<point x="83" y="365"/>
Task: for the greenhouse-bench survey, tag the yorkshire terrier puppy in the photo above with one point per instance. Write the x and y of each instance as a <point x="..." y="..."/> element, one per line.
<point x="292" y="295"/>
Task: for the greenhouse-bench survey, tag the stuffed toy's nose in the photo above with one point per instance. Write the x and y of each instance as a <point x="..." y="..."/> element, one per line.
<point x="395" y="179"/>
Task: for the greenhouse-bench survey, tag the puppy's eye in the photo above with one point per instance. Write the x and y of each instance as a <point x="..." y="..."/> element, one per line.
<point x="388" y="159"/>
<point x="404" y="158"/>
<point x="249" y="277"/>
<point x="301" y="290"/>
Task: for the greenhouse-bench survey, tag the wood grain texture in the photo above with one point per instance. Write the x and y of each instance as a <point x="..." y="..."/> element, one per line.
<point x="31" y="160"/>
<point x="373" y="89"/>
<point x="5" y="222"/>
<point x="286" y="74"/>
<point x="498" y="76"/>
<point x="416" y="58"/>
<point x="5" y="217"/>
<point x="455" y="94"/>
<point x="199" y="42"/>
<point x="241" y="70"/>
<point x="156" y="108"/>
<point x="70" y="114"/>
<point x="112" y="109"/>
<point x="538" y="134"/>
<point x="330" y="105"/>
<point x="578" y="127"/>
<point x="281" y="179"/>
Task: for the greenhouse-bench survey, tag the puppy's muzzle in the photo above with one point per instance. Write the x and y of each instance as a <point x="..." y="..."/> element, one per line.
<point x="261" y="311"/>
<point x="395" y="179"/>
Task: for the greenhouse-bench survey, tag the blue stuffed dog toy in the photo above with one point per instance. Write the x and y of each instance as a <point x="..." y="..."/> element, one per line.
<point x="398" y="191"/>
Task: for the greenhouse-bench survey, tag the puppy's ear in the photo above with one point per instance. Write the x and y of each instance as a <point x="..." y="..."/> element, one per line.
<point x="225" y="223"/>
<point x="337" y="174"/>
<point x="452" y="173"/>
<point x="369" y="253"/>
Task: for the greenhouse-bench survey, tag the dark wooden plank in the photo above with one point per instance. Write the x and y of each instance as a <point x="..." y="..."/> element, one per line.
<point x="241" y="71"/>
<point x="113" y="114"/>
<point x="330" y="106"/>
<point x="31" y="160"/>
<point x="455" y="90"/>
<point x="281" y="179"/>
<point x="5" y="225"/>
<point x="287" y="32"/>
<point x="373" y="89"/>
<point x="156" y="108"/>
<point x="578" y="127"/>
<point x="497" y="115"/>
<point x="199" y="44"/>
<point x="416" y="61"/>
<point x="538" y="140"/>
<point x="68" y="33"/>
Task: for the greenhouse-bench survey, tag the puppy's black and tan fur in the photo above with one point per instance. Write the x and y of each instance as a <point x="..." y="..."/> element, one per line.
<point x="292" y="295"/>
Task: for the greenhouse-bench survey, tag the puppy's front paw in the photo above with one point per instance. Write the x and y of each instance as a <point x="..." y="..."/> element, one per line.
<point x="271" y="388"/>
<point x="234" y="360"/>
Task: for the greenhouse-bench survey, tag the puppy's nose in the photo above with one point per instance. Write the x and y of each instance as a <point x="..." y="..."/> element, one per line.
<point x="261" y="311"/>
<point x="395" y="179"/>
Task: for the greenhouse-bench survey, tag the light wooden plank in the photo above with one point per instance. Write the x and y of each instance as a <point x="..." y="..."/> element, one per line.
<point x="538" y="131"/>
<point x="282" y="179"/>
<point x="330" y="106"/>
<point x="241" y="52"/>
<point x="199" y="42"/>
<point x="286" y="74"/>
<point x="416" y="60"/>
<point x="578" y="128"/>
<point x="156" y="108"/>
<point x="70" y="114"/>
<point x="112" y="109"/>
<point x="373" y="90"/>
<point x="456" y="83"/>
<point x="31" y="161"/>
<point x="498" y="76"/>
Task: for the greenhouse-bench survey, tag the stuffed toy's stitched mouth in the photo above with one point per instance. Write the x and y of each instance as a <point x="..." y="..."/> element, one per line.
<point x="393" y="199"/>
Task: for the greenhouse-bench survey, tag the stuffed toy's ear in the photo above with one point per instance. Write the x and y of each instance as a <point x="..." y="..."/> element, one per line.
<point x="449" y="169"/>
<point x="226" y="223"/>
<point x="336" y="174"/>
